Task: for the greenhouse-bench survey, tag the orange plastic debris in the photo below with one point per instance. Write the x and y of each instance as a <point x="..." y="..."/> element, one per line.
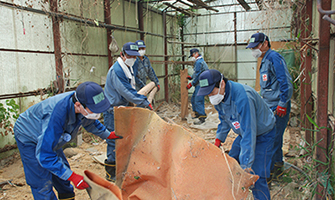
<point x="158" y="160"/>
<point x="101" y="189"/>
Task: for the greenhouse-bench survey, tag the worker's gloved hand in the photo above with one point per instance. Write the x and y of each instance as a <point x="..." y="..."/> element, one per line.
<point x="78" y="181"/>
<point x="189" y="77"/>
<point x="189" y="86"/>
<point x="217" y="142"/>
<point x="281" y="111"/>
<point x="113" y="136"/>
<point x="159" y="88"/>
<point x="150" y="107"/>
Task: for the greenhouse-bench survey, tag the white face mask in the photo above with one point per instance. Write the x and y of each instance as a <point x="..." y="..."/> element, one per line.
<point x="216" y="99"/>
<point x="141" y="52"/>
<point x="129" y="61"/>
<point x="193" y="59"/>
<point x="256" y="52"/>
<point x="92" y="116"/>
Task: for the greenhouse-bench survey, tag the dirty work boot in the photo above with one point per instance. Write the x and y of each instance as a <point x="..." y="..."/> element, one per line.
<point x="200" y="121"/>
<point x="67" y="196"/>
<point x="110" y="170"/>
<point x="196" y="115"/>
<point x="278" y="171"/>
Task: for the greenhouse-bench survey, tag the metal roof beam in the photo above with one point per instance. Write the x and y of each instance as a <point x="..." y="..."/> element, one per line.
<point x="188" y="13"/>
<point x="202" y="4"/>
<point x="244" y="5"/>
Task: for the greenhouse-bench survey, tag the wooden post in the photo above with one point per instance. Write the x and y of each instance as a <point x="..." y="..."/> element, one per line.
<point x="183" y="93"/>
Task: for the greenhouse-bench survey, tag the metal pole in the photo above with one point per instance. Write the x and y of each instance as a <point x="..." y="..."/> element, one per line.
<point x="140" y="19"/>
<point x="108" y="20"/>
<point x="235" y="41"/>
<point x="58" y="48"/>
<point x="182" y="45"/>
<point x="308" y="73"/>
<point x="322" y="98"/>
<point x="166" y="81"/>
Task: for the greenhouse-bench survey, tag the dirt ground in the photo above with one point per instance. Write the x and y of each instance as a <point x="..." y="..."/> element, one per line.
<point x="13" y="185"/>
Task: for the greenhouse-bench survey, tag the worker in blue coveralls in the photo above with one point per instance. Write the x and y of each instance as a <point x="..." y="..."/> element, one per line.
<point x="241" y="109"/>
<point x="198" y="102"/>
<point x="120" y="89"/>
<point x="43" y="129"/>
<point x="143" y="68"/>
<point x="276" y="90"/>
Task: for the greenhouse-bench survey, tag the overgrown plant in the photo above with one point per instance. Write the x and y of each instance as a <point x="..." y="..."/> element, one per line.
<point x="8" y="116"/>
<point x="314" y="178"/>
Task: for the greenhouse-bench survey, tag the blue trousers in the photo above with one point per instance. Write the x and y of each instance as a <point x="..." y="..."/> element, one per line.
<point x="281" y="123"/>
<point x="261" y="165"/>
<point x="40" y="179"/>
<point x="198" y="102"/>
<point x="109" y="123"/>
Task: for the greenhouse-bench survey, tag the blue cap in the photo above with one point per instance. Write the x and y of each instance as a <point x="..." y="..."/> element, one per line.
<point x="207" y="81"/>
<point x="140" y="44"/>
<point x="192" y="51"/>
<point x="131" y="49"/>
<point x="91" y="95"/>
<point x="256" y="39"/>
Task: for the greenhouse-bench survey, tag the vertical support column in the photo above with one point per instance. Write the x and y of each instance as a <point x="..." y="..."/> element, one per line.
<point x="235" y="44"/>
<point x="183" y="93"/>
<point x="182" y="44"/>
<point x="57" y="46"/>
<point x="166" y="80"/>
<point x="322" y="94"/>
<point x="140" y="19"/>
<point x="107" y="16"/>
<point x="308" y="73"/>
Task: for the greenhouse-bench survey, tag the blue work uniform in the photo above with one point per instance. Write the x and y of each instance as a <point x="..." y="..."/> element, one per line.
<point x="276" y="90"/>
<point x="119" y="92"/>
<point x="245" y="112"/>
<point x="40" y="133"/>
<point x="198" y="102"/>
<point x="143" y="70"/>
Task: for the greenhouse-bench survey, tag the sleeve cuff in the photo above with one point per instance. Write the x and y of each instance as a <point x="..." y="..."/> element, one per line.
<point x="105" y="134"/>
<point x="282" y="104"/>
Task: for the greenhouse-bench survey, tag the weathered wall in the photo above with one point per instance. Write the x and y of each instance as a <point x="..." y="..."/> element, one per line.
<point x="272" y="21"/>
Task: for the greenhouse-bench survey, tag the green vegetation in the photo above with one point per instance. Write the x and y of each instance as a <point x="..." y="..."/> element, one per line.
<point x="8" y="116"/>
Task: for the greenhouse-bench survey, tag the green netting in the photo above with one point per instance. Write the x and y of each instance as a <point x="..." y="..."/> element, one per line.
<point x="289" y="57"/>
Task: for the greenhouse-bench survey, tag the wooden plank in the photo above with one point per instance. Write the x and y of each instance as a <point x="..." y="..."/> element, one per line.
<point x="152" y="94"/>
<point x="146" y="89"/>
<point x="183" y="93"/>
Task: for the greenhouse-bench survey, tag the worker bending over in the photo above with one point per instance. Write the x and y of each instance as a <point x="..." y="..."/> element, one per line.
<point x="42" y="130"/>
<point x="241" y="109"/>
<point x="120" y="90"/>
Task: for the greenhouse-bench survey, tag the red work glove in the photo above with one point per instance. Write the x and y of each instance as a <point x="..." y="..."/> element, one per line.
<point x="113" y="136"/>
<point x="150" y="106"/>
<point x="189" y="77"/>
<point x="217" y="142"/>
<point x="159" y="87"/>
<point x="189" y="86"/>
<point x="78" y="181"/>
<point x="281" y="111"/>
